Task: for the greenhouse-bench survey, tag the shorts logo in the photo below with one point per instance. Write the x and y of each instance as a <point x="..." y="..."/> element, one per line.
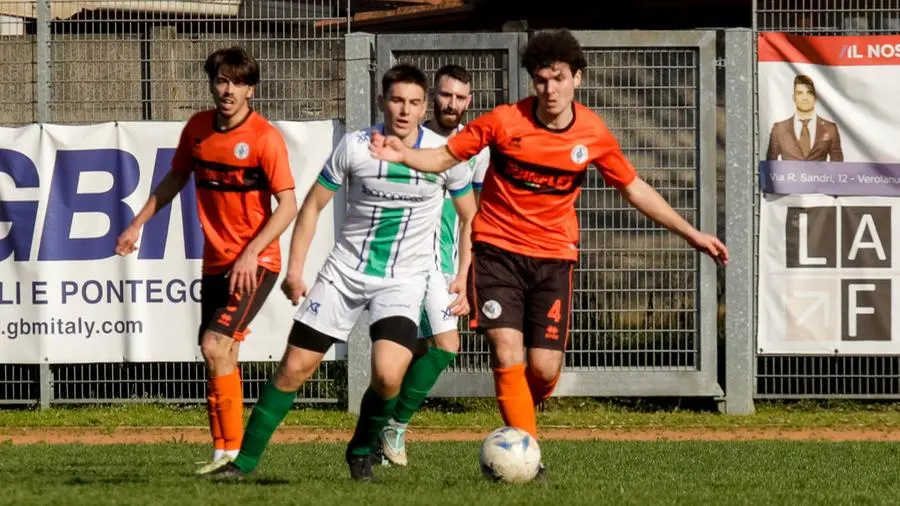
<point x="492" y="309"/>
<point x="314" y="307"/>
<point x="241" y="150"/>
<point x="579" y="154"/>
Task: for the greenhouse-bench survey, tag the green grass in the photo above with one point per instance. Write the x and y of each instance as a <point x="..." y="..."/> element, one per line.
<point x="596" y="473"/>
<point x="482" y="414"/>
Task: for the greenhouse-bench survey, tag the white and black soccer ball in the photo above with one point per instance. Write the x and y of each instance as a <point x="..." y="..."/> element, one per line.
<point x="510" y="455"/>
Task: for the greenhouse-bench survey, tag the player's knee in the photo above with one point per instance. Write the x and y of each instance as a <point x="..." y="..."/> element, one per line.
<point x="544" y="372"/>
<point x="507" y="346"/>
<point x="448" y="341"/>
<point x="386" y="383"/>
<point x="216" y="347"/>
<point x="544" y="375"/>
<point x="306" y="349"/>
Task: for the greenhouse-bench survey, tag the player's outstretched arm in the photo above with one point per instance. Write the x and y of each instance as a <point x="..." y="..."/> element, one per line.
<point x="466" y="207"/>
<point x="242" y="277"/>
<point x="304" y="229"/>
<point x="392" y="149"/>
<point x="165" y="191"/>
<point x="643" y="197"/>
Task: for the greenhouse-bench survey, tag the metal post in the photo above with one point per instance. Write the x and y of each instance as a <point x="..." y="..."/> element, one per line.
<point x="42" y="69"/>
<point x="45" y="376"/>
<point x="359" y="53"/>
<point x="739" y="186"/>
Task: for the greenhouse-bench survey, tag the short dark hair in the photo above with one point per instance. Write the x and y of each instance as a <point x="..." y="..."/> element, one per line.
<point x="235" y="63"/>
<point x="453" y="71"/>
<point x="806" y="81"/>
<point x="547" y="47"/>
<point x="403" y="73"/>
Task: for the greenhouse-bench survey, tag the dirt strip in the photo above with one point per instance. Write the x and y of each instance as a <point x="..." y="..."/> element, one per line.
<point x="292" y="434"/>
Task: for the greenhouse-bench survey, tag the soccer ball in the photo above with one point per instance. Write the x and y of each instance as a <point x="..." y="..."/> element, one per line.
<point x="510" y="455"/>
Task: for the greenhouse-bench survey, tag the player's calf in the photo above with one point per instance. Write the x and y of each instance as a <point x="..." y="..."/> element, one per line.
<point x="394" y="340"/>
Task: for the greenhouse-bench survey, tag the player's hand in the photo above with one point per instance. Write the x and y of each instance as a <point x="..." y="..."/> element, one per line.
<point x="460" y="305"/>
<point x="387" y="148"/>
<point x="125" y="244"/>
<point x="242" y="277"/>
<point x="293" y="288"/>
<point x="711" y="245"/>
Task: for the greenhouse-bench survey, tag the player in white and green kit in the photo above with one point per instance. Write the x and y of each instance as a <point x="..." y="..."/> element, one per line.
<point x="381" y="261"/>
<point x="438" y="326"/>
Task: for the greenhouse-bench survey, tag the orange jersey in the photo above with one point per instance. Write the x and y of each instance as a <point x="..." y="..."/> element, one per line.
<point x="236" y="172"/>
<point x="527" y="203"/>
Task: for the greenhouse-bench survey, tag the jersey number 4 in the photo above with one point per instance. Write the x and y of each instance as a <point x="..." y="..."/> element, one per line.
<point x="555" y="312"/>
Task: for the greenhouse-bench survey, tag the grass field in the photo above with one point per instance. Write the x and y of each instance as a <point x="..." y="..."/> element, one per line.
<point x="752" y="473"/>
<point x="614" y="470"/>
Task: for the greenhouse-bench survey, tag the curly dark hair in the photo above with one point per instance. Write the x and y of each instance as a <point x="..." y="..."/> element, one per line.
<point x="547" y="47"/>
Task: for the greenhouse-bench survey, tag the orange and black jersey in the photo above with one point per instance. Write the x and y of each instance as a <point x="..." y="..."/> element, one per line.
<point x="236" y="172"/>
<point x="527" y="203"/>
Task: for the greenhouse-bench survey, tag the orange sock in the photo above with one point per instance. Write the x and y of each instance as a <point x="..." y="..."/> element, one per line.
<point x="230" y="408"/>
<point x="215" y="427"/>
<point x="541" y="390"/>
<point x="514" y="398"/>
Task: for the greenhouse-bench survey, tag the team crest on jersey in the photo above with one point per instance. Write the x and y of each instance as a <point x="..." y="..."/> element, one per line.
<point x="492" y="309"/>
<point x="241" y="150"/>
<point x="579" y="154"/>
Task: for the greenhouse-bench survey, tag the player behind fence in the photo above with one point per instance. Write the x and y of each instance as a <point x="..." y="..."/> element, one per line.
<point x="380" y="261"/>
<point x="438" y="333"/>
<point x="526" y="235"/>
<point x="239" y="161"/>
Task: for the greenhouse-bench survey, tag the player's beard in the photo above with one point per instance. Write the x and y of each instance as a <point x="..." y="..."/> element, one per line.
<point x="448" y="118"/>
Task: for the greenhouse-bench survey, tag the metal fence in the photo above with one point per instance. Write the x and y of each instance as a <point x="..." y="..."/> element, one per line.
<point x="71" y="61"/>
<point x="798" y="376"/>
<point x="647" y="313"/>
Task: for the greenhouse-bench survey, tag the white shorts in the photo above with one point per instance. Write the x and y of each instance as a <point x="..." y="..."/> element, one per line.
<point x="340" y="294"/>
<point x="436" y="317"/>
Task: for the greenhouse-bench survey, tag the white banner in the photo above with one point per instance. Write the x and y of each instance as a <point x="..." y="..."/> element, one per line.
<point x="830" y="176"/>
<point x="65" y="195"/>
<point x="828" y="274"/>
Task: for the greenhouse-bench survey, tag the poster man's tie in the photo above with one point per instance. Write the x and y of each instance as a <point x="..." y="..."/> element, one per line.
<point x="805" y="142"/>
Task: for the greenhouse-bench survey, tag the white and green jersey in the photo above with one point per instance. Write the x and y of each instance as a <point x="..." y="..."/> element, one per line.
<point x="446" y="237"/>
<point x="392" y="210"/>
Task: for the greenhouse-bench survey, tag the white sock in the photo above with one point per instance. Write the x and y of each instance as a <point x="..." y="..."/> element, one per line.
<point x="232" y="453"/>
<point x="217" y="454"/>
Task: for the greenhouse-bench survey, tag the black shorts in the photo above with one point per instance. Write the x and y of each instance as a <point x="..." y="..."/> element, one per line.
<point x="531" y="295"/>
<point x="227" y="313"/>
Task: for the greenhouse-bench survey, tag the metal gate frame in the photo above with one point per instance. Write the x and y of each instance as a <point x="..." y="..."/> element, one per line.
<point x="702" y="381"/>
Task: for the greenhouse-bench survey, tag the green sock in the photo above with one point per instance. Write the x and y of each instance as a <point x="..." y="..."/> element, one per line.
<point x="419" y="380"/>
<point x="271" y="408"/>
<point x="373" y="416"/>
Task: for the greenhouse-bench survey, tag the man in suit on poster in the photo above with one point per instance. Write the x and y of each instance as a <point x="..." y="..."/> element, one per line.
<point x="805" y="135"/>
